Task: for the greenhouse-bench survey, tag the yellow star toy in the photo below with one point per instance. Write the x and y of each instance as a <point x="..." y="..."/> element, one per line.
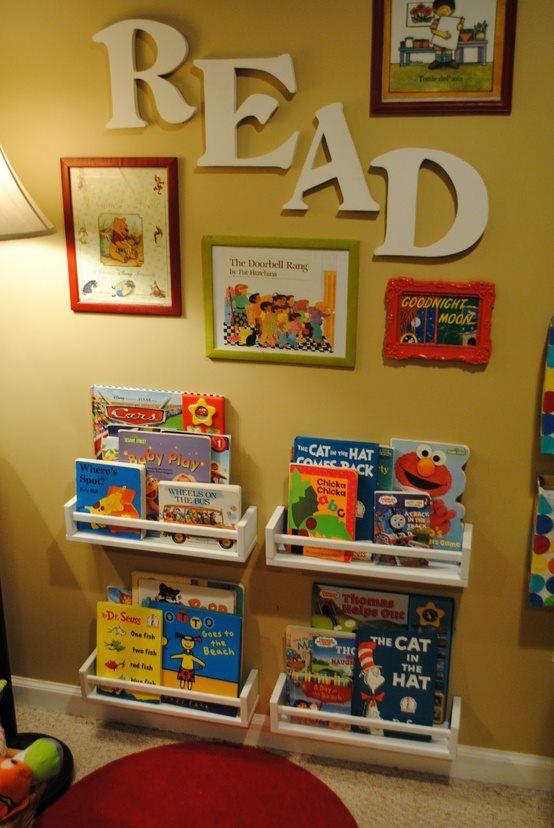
<point x="430" y="615"/>
<point x="202" y="413"/>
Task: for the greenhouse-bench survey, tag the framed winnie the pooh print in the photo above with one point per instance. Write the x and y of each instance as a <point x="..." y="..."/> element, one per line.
<point x="122" y="234"/>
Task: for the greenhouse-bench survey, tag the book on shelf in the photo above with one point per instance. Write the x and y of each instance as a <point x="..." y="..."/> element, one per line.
<point x="394" y="679"/>
<point x="133" y="406"/>
<point x="322" y="504"/>
<point x="129" y="647"/>
<point x="181" y="590"/>
<point x="202" y="650"/>
<point x="361" y="456"/>
<point x="347" y="608"/>
<point x="436" y="469"/>
<point x="199" y="504"/>
<point x="110" y="489"/>
<point x="167" y="456"/>
<point x="319" y="667"/>
<point x="402" y="519"/>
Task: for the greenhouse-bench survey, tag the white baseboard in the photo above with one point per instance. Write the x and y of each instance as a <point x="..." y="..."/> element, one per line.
<point x="481" y="764"/>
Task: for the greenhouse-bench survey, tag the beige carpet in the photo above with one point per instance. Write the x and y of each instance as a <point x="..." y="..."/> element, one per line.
<point x="377" y="798"/>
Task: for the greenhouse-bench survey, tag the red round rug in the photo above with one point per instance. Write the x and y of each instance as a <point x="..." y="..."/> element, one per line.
<point x="198" y="783"/>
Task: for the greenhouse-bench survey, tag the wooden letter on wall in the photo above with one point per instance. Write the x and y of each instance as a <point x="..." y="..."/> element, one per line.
<point x="344" y="165"/>
<point x="222" y="118"/>
<point x="472" y="212"/>
<point x="172" y="49"/>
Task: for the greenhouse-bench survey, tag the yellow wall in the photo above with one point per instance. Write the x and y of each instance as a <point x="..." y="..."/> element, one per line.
<point x="55" y="102"/>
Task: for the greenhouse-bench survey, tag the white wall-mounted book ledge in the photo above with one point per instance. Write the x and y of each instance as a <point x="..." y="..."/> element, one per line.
<point x="443" y="569"/>
<point x="313" y="724"/>
<point x="238" y="712"/>
<point x="184" y="540"/>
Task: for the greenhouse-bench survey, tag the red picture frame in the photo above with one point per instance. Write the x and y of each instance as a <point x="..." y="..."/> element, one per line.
<point x="444" y="321"/>
<point x="383" y="100"/>
<point x="173" y="306"/>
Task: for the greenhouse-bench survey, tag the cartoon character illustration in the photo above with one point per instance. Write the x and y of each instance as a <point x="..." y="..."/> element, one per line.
<point x="444" y="51"/>
<point x="117" y="502"/>
<point x="303" y="705"/>
<point x="90" y="286"/>
<point x="158" y="233"/>
<point x="216" y="475"/>
<point x="158" y="184"/>
<point x="430" y="615"/>
<point x="397" y="525"/>
<point x="117" y="631"/>
<point x="156" y="290"/>
<point x="83" y="235"/>
<point x="186" y="673"/>
<point x="115" y="645"/>
<point x="113" y="665"/>
<point x="373" y="679"/>
<point x="121" y="239"/>
<point x="152" y="507"/>
<point x="202" y="412"/>
<point x="123" y="288"/>
<point x="167" y="593"/>
<point x="425" y="469"/>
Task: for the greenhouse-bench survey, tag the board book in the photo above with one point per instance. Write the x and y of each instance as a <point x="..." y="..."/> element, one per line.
<point x="547" y="407"/>
<point x="172" y="456"/>
<point x="204" y="413"/>
<point x="133" y="406"/>
<point x="541" y="582"/>
<point x="119" y="595"/>
<point x="402" y="519"/>
<point x="385" y="464"/>
<point x="113" y="489"/>
<point x="183" y="591"/>
<point x="394" y="678"/>
<point x="436" y="469"/>
<point x="195" y="504"/>
<point x="201" y="650"/>
<point x="320" y="667"/>
<point x="129" y="647"/>
<point x="347" y="608"/>
<point x="347" y="454"/>
<point x="322" y="504"/>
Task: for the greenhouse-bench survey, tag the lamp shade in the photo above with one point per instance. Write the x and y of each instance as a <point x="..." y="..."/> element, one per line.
<point x="20" y="218"/>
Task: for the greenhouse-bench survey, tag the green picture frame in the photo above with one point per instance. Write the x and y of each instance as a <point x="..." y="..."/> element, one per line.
<point x="266" y="308"/>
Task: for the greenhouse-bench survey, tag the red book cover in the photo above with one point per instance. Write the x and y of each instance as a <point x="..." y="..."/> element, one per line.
<point x="204" y="413"/>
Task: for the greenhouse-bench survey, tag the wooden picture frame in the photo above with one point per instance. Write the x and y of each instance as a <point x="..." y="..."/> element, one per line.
<point x="122" y="235"/>
<point x="281" y="300"/>
<point x="444" y="321"/>
<point x="488" y="78"/>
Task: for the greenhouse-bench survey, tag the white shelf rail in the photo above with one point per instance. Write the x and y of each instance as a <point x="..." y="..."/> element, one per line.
<point x="444" y="568"/>
<point x="242" y="539"/>
<point x="284" y="720"/>
<point x="241" y="709"/>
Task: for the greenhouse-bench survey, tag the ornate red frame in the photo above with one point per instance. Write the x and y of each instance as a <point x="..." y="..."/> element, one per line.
<point x="170" y="164"/>
<point x="472" y="354"/>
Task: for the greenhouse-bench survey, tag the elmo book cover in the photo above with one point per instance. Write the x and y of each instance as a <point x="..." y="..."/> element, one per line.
<point x="438" y="470"/>
<point x="322" y="504"/>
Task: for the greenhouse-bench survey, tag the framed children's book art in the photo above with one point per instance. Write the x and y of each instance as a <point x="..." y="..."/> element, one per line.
<point x="442" y="56"/>
<point x="122" y="234"/>
<point x="439" y="320"/>
<point x="281" y="300"/>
